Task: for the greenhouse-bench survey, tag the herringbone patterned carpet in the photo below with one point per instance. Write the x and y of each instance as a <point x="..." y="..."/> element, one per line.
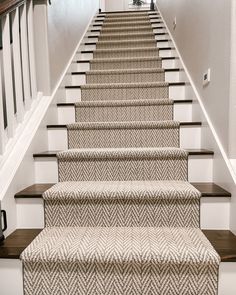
<point x="123" y="219"/>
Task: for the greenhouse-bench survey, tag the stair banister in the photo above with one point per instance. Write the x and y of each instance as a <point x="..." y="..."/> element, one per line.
<point x="18" y="86"/>
<point x="152" y="7"/>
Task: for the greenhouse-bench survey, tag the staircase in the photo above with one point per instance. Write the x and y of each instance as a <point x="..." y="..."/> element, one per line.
<point x="126" y="214"/>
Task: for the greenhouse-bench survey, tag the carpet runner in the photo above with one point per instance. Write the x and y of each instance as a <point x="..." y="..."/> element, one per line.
<point x="123" y="164"/>
<point x="125" y="63"/>
<point x="129" y="91"/>
<point x="127" y="52"/>
<point x="124" y="110"/>
<point x="145" y="204"/>
<point x="128" y="29"/>
<point x="127" y="24"/>
<point x="127" y="43"/>
<point x="123" y="218"/>
<point x="123" y="134"/>
<point x="125" y="76"/>
<point x="127" y="36"/>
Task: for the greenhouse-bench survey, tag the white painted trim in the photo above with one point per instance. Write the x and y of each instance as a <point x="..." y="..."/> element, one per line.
<point x="198" y="96"/>
<point x="17" y="66"/>
<point x="7" y="68"/>
<point x="25" y="56"/>
<point x="18" y="146"/>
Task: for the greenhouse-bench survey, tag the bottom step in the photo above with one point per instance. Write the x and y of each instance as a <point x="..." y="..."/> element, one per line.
<point x="224" y="243"/>
<point x="120" y="260"/>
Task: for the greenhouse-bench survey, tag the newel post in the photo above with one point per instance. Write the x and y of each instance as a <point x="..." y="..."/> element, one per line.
<point x="152" y="7"/>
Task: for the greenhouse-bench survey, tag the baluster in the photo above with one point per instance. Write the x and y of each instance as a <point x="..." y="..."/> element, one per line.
<point x="31" y="49"/>
<point x="25" y="56"/>
<point x="17" y="66"/>
<point x="7" y="66"/>
<point x="2" y="129"/>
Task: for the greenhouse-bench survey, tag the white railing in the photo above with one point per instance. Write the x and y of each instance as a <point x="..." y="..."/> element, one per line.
<point x="18" y="86"/>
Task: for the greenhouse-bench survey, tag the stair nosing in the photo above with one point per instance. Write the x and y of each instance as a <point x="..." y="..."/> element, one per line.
<point x="169" y="84"/>
<point x="117" y="71"/>
<point x="102" y="19"/>
<point x="155" y="34"/>
<point x="69" y="104"/>
<point x="191" y="152"/>
<point x="38" y="195"/>
<point x="92" y="51"/>
<point x="13" y="251"/>
<point x="159" y="58"/>
<point x="154" y="28"/>
<point x="63" y="126"/>
<point x="95" y="43"/>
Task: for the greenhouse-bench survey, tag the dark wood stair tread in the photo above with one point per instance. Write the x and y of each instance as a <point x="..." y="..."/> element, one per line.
<point x="71" y="104"/>
<point x="97" y="36"/>
<point x="63" y="126"/>
<point x="105" y="71"/>
<point x="192" y="152"/>
<point x="130" y="11"/>
<point x="160" y="49"/>
<point x="95" y="43"/>
<point x="210" y="189"/>
<point x="99" y="30"/>
<point x="170" y="84"/>
<point x="224" y="242"/>
<point x="34" y="191"/>
<point x="207" y="189"/>
<point x="162" y="58"/>
<point x="16" y="243"/>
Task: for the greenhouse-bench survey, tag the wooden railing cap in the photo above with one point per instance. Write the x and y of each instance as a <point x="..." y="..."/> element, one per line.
<point x="8" y="5"/>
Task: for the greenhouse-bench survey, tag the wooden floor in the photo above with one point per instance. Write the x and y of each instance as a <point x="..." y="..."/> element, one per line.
<point x="223" y="241"/>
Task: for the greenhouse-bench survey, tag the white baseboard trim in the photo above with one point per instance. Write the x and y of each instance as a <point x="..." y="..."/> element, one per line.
<point x="205" y="113"/>
<point x="18" y="146"/>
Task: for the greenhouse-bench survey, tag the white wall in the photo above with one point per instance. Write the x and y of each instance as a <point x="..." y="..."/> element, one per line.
<point x="117" y="5"/>
<point x="232" y="108"/>
<point x="205" y="39"/>
<point x="202" y="36"/>
<point x="67" y="21"/>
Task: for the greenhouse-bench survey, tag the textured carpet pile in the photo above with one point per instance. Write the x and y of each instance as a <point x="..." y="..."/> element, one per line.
<point x="123" y="218"/>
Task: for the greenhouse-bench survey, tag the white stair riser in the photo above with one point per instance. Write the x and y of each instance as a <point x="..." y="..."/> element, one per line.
<point x="84" y="56"/>
<point x="30" y="213"/>
<point x="11" y="277"/>
<point x="182" y="113"/>
<point x="101" y="23"/>
<point x="175" y="93"/>
<point x="93" y="46"/>
<point x="89" y="56"/>
<point x="83" y="67"/>
<point x="190" y="138"/>
<point x="93" y="37"/>
<point x="159" y="31"/>
<point x="199" y="169"/>
<point x="214" y="213"/>
<point x="78" y="80"/>
<point x="14" y="269"/>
